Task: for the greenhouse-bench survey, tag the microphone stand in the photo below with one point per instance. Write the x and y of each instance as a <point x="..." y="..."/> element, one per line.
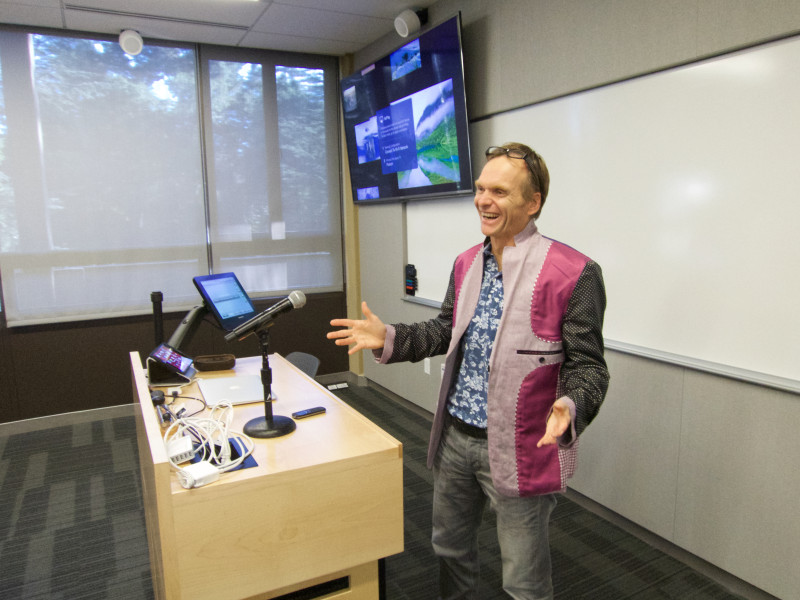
<point x="268" y="426"/>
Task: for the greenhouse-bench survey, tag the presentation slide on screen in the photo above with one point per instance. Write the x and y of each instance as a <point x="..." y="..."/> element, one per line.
<point x="406" y="59"/>
<point x="396" y="137"/>
<point x="414" y="137"/>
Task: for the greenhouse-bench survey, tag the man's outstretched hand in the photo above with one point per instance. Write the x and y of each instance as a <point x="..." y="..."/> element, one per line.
<point x="366" y="334"/>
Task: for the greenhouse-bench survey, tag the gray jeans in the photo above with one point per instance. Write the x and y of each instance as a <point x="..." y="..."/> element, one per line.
<point x="462" y="484"/>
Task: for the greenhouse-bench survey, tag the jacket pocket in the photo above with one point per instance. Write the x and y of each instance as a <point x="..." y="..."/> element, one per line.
<point x="541" y="357"/>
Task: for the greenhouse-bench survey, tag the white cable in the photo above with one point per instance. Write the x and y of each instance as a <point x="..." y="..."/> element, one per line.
<point x="211" y="438"/>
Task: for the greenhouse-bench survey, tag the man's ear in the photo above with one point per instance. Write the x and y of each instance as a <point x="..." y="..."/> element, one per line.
<point x="535" y="204"/>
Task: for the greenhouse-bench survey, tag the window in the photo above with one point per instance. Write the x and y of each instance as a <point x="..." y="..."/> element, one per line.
<point x="274" y="200"/>
<point x="114" y="183"/>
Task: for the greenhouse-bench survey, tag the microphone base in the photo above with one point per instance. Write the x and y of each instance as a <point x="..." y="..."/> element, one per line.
<point x="259" y="428"/>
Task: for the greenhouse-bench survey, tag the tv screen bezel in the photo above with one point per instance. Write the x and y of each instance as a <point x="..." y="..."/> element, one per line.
<point x="465" y="185"/>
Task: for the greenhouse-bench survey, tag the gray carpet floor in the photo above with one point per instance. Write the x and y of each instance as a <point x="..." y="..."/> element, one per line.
<point x="72" y="523"/>
<point x="71" y="517"/>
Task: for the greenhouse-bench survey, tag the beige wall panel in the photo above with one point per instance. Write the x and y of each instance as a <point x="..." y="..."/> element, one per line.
<point x="628" y="459"/>
<point x="738" y="481"/>
<point x="723" y="24"/>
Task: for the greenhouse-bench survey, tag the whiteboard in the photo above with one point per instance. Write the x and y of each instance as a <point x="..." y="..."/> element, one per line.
<point x="442" y="229"/>
<point x="684" y="186"/>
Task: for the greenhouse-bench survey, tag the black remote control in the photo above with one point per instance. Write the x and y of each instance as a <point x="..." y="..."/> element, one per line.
<point x="301" y="414"/>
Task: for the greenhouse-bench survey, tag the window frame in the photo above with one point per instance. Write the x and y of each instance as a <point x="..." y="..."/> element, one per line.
<point x="217" y="251"/>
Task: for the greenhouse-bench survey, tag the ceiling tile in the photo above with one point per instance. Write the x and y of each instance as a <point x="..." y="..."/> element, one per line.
<point x="40" y="3"/>
<point x="23" y="14"/>
<point x="209" y="11"/>
<point x="276" y="41"/>
<point x="316" y="23"/>
<point x="327" y="27"/>
<point x="149" y="28"/>
<point x="385" y="9"/>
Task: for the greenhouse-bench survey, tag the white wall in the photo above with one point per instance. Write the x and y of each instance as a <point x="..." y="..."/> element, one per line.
<point x="706" y="462"/>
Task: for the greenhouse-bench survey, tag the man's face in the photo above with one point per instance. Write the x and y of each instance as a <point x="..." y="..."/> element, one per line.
<point x="500" y="199"/>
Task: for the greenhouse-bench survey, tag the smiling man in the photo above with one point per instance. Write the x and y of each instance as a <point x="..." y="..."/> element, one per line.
<point x="521" y="327"/>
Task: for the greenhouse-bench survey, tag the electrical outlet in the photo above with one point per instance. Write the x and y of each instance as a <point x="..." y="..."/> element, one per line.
<point x="426" y="364"/>
<point x="441" y="375"/>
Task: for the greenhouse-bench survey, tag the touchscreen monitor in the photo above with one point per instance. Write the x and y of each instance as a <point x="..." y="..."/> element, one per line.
<point x="225" y="297"/>
<point x="173" y="360"/>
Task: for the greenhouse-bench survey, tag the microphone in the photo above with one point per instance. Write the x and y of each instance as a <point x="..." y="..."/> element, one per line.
<point x="296" y="299"/>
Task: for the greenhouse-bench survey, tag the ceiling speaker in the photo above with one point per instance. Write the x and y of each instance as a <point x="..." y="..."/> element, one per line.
<point x="131" y="42"/>
<point x="407" y="22"/>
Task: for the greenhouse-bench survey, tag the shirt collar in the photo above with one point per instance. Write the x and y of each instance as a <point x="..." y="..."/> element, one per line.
<point x="522" y="236"/>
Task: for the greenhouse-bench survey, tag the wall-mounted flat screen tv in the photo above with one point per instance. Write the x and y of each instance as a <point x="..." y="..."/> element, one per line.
<point x="405" y="120"/>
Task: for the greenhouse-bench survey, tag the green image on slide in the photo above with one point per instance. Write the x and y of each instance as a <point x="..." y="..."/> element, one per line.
<point x="436" y="139"/>
<point x="438" y="153"/>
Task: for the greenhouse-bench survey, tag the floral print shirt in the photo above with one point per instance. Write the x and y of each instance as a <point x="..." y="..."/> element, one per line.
<point x="470" y="390"/>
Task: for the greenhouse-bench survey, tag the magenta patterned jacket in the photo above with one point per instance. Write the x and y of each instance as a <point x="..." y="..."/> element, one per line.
<point x="549" y="345"/>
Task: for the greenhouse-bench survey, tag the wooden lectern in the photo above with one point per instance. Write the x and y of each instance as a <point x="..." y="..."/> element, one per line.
<point x="324" y="504"/>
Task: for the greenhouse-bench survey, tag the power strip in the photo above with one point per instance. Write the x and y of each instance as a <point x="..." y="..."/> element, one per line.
<point x="180" y="449"/>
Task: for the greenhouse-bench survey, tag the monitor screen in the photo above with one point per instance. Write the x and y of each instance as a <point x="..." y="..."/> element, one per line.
<point x="173" y="360"/>
<point x="405" y="121"/>
<point x="225" y="297"/>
